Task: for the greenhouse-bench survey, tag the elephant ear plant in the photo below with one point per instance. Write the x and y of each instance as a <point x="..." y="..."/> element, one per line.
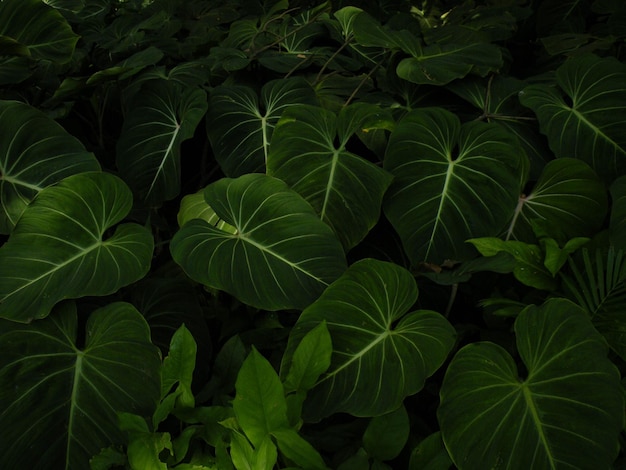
<point x="261" y="234"/>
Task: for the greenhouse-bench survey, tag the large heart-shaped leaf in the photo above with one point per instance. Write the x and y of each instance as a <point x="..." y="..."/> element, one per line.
<point x="240" y="127"/>
<point x="281" y="255"/>
<point x="568" y="201"/>
<point x="148" y="151"/>
<point x="42" y="31"/>
<point x="345" y="189"/>
<point x="58" y="249"/>
<point x="452" y="183"/>
<point x="61" y="398"/>
<point x="38" y="153"/>
<point x="567" y="412"/>
<point x="584" y="117"/>
<point x="381" y="353"/>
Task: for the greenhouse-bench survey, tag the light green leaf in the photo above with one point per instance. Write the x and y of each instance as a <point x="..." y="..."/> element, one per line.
<point x="163" y="115"/>
<point x="282" y="256"/>
<point x="144" y="446"/>
<point x="240" y="126"/>
<point x="259" y="403"/>
<point x="386" y="435"/>
<point x="194" y="206"/>
<point x="63" y="399"/>
<point x="529" y="266"/>
<point x="298" y="450"/>
<point x="310" y="359"/>
<point x="381" y="353"/>
<point x="58" y="249"/>
<point x="568" y="201"/>
<point x="345" y="189"/>
<point x="40" y="28"/>
<point x="38" y="154"/>
<point x="584" y="117"/>
<point x="566" y="412"/>
<point x="452" y="183"/>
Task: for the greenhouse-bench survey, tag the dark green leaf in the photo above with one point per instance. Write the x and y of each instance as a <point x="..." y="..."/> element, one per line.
<point x="386" y="435"/>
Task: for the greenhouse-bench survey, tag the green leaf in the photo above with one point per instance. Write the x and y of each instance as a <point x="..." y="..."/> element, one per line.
<point x="58" y="249"/>
<point x="345" y="189"/>
<point x="568" y="201"/>
<point x="381" y="353"/>
<point x="194" y="206"/>
<point x="310" y="359"/>
<point x="566" y="412"/>
<point x="298" y="450"/>
<point x="529" y="264"/>
<point x="584" y="117"/>
<point x="386" y="435"/>
<point x="163" y="115"/>
<point x="144" y="446"/>
<point x="618" y="213"/>
<point x="430" y="454"/>
<point x="451" y="183"/>
<point x="259" y="403"/>
<point x="38" y="27"/>
<point x="598" y="284"/>
<point x="282" y="255"/>
<point x="63" y="400"/>
<point x="38" y="154"/>
<point x="439" y="64"/>
<point x="240" y="127"/>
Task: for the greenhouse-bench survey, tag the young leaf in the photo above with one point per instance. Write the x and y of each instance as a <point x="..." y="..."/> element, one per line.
<point x="310" y="359"/>
<point x="282" y="255"/>
<point x="58" y="249"/>
<point x="381" y="353"/>
<point x="569" y="408"/>
<point x="144" y="446"/>
<point x="298" y="450"/>
<point x="259" y="403"/>
<point x="68" y="408"/>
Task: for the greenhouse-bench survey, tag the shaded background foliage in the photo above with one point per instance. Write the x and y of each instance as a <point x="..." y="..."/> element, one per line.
<point x="271" y="234"/>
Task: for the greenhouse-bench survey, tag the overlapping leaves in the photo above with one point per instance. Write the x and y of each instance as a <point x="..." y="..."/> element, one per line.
<point x="281" y="256"/>
<point x="381" y="353"/>
<point x="35" y="152"/>
<point x="345" y="189"/>
<point x="62" y="399"/>
<point x="58" y="249"/>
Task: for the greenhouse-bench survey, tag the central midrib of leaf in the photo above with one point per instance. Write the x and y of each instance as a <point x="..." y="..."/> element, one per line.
<point x="329" y="184"/>
<point x="168" y="151"/>
<point x="530" y="404"/>
<point x="73" y="398"/>
<point x="15" y="181"/>
<point x="245" y="239"/>
<point x="444" y="196"/>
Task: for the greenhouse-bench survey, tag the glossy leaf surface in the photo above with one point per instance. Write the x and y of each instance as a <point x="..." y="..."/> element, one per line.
<point x="567" y="411"/>
<point x="59" y="250"/>
<point x="38" y="153"/>
<point x="345" y="189"/>
<point x="451" y="183"/>
<point x="281" y="256"/>
<point x="63" y="399"/>
<point x="381" y="353"/>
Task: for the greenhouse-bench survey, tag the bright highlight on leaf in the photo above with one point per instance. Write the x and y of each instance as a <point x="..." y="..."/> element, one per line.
<point x="282" y="256"/>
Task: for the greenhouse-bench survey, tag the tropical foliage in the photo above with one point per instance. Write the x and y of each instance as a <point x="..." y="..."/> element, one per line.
<point x="261" y="234"/>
